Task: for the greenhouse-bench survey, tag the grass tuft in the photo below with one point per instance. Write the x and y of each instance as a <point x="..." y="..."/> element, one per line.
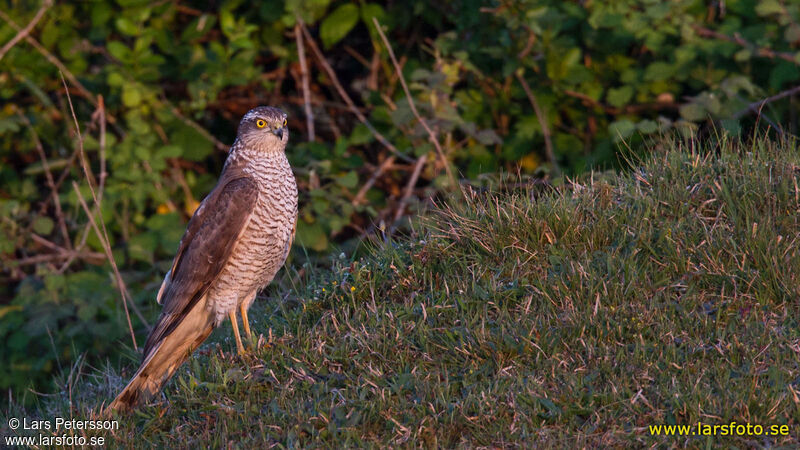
<point x="664" y="295"/>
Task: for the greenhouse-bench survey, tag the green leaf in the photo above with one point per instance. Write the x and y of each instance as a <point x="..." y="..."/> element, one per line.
<point x="170" y="151"/>
<point x="619" y="96"/>
<point x="370" y="10"/>
<point x="604" y="18"/>
<point x="621" y="129"/>
<point x="126" y="26"/>
<point x="115" y="79"/>
<point x="783" y="73"/>
<point x="308" y="10"/>
<point x="198" y="27"/>
<point x="101" y="12"/>
<point x="769" y="7"/>
<point x="131" y="96"/>
<point x="647" y="126"/>
<point x="732" y="126"/>
<point x="337" y="24"/>
<point x="528" y="126"/>
<point x="488" y="137"/>
<point x="9" y="124"/>
<point x="693" y="112"/>
<point x="552" y="408"/>
<point x="349" y="180"/>
<point x="421" y="149"/>
<point x="227" y="22"/>
<point x="311" y="236"/>
<point x="142" y="246"/>
<point x="659" y="71"/>
<point x="119" y="50"/>
<point x="742" y="55"/>
<point x="195" y="146"/>
<point x="43" y="225"/>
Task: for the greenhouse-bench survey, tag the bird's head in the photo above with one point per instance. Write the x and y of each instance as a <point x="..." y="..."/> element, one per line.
<point x="264" y="127"/>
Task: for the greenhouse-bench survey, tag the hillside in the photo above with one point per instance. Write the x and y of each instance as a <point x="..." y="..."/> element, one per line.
<point x="579" y="317"/>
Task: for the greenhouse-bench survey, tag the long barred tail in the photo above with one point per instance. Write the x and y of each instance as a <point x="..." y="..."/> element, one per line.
<point x="165" y="357"/>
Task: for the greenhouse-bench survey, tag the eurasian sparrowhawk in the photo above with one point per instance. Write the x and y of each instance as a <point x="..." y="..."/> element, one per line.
<point x="234" y="244"/>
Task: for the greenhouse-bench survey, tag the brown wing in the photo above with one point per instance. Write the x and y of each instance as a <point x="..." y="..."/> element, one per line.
<point x="205" y="248"/>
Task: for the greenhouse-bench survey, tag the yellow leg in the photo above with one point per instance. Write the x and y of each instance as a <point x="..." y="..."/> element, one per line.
<point x="235" y="325"/>
<point x="245" y="322"/>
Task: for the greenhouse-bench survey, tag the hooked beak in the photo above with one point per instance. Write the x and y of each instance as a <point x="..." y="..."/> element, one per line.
<point x="278" y="132"/>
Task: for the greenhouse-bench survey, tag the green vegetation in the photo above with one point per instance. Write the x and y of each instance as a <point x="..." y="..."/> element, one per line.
<point x="576" y="318"/>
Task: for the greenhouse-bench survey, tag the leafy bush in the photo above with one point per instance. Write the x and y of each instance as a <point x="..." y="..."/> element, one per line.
<point x="158" y="89"/>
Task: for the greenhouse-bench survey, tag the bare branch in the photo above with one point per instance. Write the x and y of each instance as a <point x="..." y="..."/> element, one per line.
<point x="548" y="143"/>
<point x="755" y="107"/>
<point x="627" y="109"/>
<point x="219" y="145"/>
<point x="409" y="189"/>
<point x="110" y="256"/>
<point x="739" y="40"/>
<point x="53" y="60"/>
<point x="375" y="175"/>
<point x="342" y="93"/>
<point x="301" y="56"/>
<point x="62" y="225"/>
<point x="102" y="236"/>
<point x="100" y="115"/>
<point x="91" y="98"/>
<point x="57" y="256"/>
<point x="25" y="31"/>
<point x="422" y="121"/>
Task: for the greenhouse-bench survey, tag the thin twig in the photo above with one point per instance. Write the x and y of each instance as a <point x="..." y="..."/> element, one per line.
<point x="422" y="121"/>
<point x="102" y="236"/>
<point x="100" y="114"/>
<point x="548" y="143"/>
<point x="25" y="31"/>
<point x="628" y="109"/>
<point x="301" y="56"/>
<point x="219" y="145"/>
<point x="372" y="179"/>
<point x="739" y="40"/>
<point x="64" y="173"/>
<point x="68" y="166"/>
<point x="81" y="244"/>
<point x="409" y="189"/>
<point x="110" y="256"/>
<point x="342" y="93"/>
<point x="62" y="225"/>
<point x="57" y="256"/>
<point x="61" y="252"/>
<point x="159" y="187"/>
<point x="47" y="243"/>
<point x="357" y="56"/>
<point x="760" y="115"/>
<point x="177" y="175"/>
<point x="53" y="60"/>
<point x="755" y="107"/>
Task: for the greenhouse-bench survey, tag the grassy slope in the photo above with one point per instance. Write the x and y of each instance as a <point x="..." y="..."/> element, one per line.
<point x="667" y="295"/>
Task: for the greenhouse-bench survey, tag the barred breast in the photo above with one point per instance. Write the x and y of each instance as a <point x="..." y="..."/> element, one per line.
<point x="264" y="244"/>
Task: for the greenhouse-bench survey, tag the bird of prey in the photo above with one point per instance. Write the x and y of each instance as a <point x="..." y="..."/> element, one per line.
<point x="234" y="244"/>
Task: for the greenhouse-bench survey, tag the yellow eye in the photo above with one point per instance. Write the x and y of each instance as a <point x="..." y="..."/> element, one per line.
<point x="260" y="123"/>
<point x="284" y="123"/>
